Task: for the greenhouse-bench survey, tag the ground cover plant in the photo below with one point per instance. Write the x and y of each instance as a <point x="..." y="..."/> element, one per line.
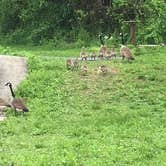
<point x="113" y="119"/>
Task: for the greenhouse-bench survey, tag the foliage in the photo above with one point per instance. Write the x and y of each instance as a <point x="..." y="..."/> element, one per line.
<point x="154" y="31"/>
<point x="44" y="21"/>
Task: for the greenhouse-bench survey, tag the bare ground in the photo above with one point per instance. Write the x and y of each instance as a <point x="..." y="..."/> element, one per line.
<point x="12" y="69"/>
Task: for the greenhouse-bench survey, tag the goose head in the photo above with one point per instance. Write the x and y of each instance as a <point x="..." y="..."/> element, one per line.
<point x="8" y="84"/>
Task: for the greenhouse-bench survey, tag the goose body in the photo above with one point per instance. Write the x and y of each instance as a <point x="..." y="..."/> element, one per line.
<point x="102" y="51"/>
<point x="75" y="63"/>
<point x="125" y="51"/>
<point x="84" y="69"/>
<point x="68" y="63"/>
<point x="93" y="55"/>
<point x="113" y="52"/>
<point x="102" y="69"/>
<point x="103" y="48"/>
<point x="108" y="54"/>
<point x="83" y="55"/>
<point x="19" y="105"/>
<point x="101" y="54"/>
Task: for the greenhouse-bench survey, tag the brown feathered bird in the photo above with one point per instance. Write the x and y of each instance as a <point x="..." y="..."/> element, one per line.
<point x="84" y="69"/>
<point x="93" y="55"/>
<point x="68" y="63"/>
<point x="108" y="54"/>
<point x="17" y="103"/>
<point x="102" y="69"/>
<point x="125" y="51"/>
<point x="102" y="51"/>
<point x="76" y="63"/>
<point x="103" y="48"/>
<point x="83" y="54"/>
<point x="113" y="52"/>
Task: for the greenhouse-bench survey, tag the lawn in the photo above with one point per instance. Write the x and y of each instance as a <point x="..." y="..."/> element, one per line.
<point x="113" y="119"/>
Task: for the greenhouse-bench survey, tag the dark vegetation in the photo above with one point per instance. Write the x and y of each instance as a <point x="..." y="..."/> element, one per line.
<point x="59" y="22"/>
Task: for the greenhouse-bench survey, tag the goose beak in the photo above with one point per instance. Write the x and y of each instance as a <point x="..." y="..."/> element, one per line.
<point x="8" y="83"/>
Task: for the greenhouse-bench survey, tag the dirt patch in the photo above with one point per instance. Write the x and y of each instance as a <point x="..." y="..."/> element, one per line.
<point x="114" y="70"/>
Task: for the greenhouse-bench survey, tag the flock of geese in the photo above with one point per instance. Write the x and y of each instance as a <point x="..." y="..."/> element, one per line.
<point x="17" y="104"/>
<point x="104" y="52"/>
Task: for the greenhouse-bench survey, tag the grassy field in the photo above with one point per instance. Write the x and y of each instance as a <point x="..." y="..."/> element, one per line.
<point x="42" y="50"/>
<point x="113" y="119"/>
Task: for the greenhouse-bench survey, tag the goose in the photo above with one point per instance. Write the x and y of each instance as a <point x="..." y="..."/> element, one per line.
<point x="104" y="48"/>
<point x="68" y="64"/>
<point x="108" y="54"/>
<point x="125" y="51"/>
<point x="102" y="69"/>
<point x="17" y="103"/>
<point x="113" y="52"/>
<point x="101" y="54"/>
<point x="75" y="63"/>
<point x="93" y="55"/>
<point x="83" y="54"/>
<point x="84" y="69"/>
<point x="102" y="51"/>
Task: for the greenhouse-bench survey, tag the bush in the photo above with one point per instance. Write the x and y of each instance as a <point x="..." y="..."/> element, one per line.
<point x="83" y="38"/>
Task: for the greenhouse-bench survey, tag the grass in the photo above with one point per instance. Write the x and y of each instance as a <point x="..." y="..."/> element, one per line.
<point x="116" y="119"/>
<point x="42" y="50"/>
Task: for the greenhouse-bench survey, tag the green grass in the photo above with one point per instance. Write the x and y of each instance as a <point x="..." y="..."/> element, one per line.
<point x="116" y="119"/>
<point x="43" y="50"/>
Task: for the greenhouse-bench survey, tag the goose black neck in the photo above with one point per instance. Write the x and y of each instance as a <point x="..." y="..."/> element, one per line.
<point x="101" y="39"/>
<point x="11" y="89"/>
<point x="122" y="38"/>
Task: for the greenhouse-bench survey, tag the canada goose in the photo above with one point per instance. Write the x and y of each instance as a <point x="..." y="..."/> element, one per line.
<point x="84" y="69"/>
<point x="101" y="54"/>
<point x="125" y="51"/>
<point x="102" y="69"/>
<point x="113" y="52"/>
<point x="108" y="54"/>
<point x="68" y="64"/>
<point x="75" y="63"/>
<point x="93" y="55"/>
<point x="104" y="48"/>
<point x="17" y="103"/>
<point x="102" y="51"/>
<point x="83" y="54"/>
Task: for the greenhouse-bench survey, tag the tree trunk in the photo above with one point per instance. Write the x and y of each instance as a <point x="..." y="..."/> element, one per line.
<point x="132" y="32"/>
